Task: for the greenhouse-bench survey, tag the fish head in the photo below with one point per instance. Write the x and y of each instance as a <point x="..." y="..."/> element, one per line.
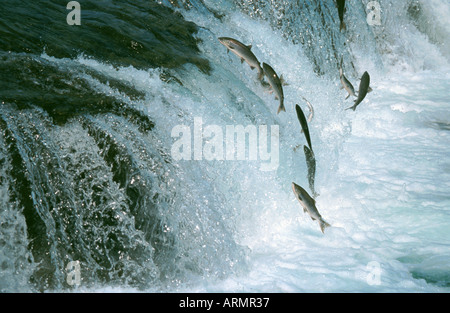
<point x="268" y="70"/>
<point x="364" y="84"/>
<point x="273" y="79"/>
<point x="365" y="78"/>
<point x="299" y="192"/>
<point x="227" y="42"/>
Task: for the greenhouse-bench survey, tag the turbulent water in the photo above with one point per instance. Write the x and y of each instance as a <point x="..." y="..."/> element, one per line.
<point x="93" y="198"/>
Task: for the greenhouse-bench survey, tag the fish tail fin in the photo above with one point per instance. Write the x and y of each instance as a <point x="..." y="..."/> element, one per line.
<point x="281" y="108"/>
<point x="352" y="107"/>
<point x="260" y="74"/>
<point x="343" y="27"/>
<point x="323" y="225"/>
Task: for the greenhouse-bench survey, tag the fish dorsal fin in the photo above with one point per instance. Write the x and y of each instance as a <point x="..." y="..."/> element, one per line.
<point x="283" y="82"/>
<point x="249" y="47"/>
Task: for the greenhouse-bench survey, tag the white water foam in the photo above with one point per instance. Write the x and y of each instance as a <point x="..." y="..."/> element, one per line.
<point x="382" y="171"/>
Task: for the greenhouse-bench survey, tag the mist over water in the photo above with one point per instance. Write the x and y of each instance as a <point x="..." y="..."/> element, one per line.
<point x="87" y="172"/>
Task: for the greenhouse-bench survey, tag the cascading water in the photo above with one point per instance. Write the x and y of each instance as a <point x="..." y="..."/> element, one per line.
<point x="88" y="173"/>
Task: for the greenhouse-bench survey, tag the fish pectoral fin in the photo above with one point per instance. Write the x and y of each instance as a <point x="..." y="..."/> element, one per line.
<point x="347" y="96"/>
<point x="313" y="218"/>
<point x="242" y="60"/>
<point x="265" y="85"/>
<point x="369" y="90"/>
<point x="276" y="97"/>
<point x="252" y="67"/>
<point x="249" y="47"/>
<point x="304" y="210"/>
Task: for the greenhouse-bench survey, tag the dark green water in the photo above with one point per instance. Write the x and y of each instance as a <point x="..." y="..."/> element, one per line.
<point x="142" y="34"/>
